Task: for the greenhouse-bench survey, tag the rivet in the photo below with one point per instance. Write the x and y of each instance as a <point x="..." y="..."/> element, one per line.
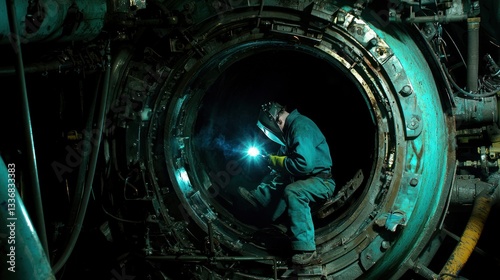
<point x="406" y="90"/>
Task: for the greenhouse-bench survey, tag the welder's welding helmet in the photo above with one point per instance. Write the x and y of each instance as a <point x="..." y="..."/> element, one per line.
<point x="267" y="122"/>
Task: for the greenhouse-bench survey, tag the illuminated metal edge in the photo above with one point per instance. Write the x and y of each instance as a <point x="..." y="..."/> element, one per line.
<point x="424" y="197"/>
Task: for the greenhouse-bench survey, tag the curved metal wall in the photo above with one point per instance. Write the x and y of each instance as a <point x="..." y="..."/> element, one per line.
<point x="392" y="219"/>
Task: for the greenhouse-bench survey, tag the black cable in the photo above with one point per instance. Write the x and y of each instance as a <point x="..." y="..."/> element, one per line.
<point x="91" y="170"/>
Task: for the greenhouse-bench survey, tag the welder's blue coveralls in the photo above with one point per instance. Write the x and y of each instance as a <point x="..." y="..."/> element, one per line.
<point x="306" y="179"/>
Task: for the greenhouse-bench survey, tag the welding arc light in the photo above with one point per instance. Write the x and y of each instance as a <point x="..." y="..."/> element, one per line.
<point x="254" y="151"/>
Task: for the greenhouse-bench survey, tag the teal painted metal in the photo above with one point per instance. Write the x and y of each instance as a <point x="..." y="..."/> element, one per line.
<point x="62" y="21"/>
<point x="425" y="159"/>
<point x="395" y="71"/>
<point x="21" y="254"/>
<point x="421" y="132"/>
<point x="429" y="157"/>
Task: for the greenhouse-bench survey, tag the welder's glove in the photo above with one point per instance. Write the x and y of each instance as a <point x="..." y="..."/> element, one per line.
<point x="277" y="162"/>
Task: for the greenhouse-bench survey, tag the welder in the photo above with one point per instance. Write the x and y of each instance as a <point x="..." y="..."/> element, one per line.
<point x="300" y="176"/>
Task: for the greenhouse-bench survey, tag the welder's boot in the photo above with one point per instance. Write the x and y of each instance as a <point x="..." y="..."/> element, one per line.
<point x="306" y="258"/>
<point x="248" y="196"/>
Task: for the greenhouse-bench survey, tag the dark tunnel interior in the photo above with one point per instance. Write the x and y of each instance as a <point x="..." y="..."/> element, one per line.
<point x="226" y="123"/>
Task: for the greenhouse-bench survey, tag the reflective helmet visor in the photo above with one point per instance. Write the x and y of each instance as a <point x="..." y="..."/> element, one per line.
<point x="267" y="122"/>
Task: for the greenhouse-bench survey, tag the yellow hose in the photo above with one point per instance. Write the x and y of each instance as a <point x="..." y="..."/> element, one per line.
<point x="469" y="239"/>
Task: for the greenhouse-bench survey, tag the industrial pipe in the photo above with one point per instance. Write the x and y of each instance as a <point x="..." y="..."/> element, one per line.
<point x="465" y="190"/>
<point x="30" y="145"/>
<point x="100" y="126"/>
<point x="23" y="256"/>
<point x="473" y="54"/>
<point x="470" y="237"/>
